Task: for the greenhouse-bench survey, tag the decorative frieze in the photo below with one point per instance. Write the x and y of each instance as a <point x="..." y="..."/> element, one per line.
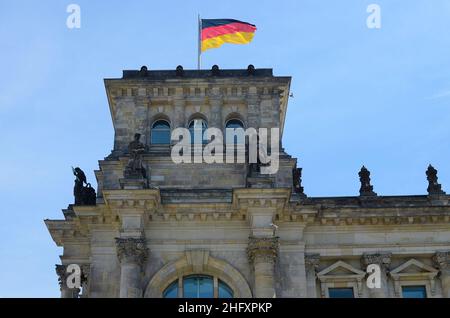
<point x="378" y="219"/>
<point x="192" y="91"/>
<point x="132" y="250"/>
<point x="264" y="249"/>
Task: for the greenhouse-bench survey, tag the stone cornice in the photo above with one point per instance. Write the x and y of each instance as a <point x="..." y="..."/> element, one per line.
<point x="245" y="198"/>
<point x="155" y="86"/>
<point x="358" y="202"/>
<point x="383" y="219"/>
<point x="105" y="215"/>
<point x="63" y="231"/>
<point x="87" y="210"/>
<point x="148" y="199"/>
<point x="357" y="215"/>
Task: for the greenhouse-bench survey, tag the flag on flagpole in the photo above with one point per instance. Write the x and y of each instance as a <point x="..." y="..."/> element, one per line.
<point x="215" y="32"/>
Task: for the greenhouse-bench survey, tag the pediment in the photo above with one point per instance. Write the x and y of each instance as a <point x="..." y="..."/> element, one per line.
<point x="340" y="268"/>
<point x="414" y="271"/>
<point x="414" y="266"/>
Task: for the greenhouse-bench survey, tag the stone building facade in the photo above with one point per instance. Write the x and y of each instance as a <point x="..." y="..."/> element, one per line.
<point x="221" y="229"/>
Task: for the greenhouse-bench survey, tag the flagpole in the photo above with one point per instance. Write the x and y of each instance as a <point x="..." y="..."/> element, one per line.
<point x="199" y="42"/>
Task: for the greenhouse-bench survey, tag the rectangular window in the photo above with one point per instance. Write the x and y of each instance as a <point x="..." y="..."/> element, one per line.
<point x="414" y="292"/>
<point x="341" y="292"/>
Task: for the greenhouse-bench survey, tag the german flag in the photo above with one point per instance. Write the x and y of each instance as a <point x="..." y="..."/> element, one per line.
<point x="215" y="32"/>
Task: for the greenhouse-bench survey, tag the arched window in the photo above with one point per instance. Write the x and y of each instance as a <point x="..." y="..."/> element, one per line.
<point x="171" y="291"/>
<point x="160" y="132"/>
<point x="197" y="128"/>
<point x="224" y="290"/>
<point x="235" y="129"/>
<point x="199" y="286"/>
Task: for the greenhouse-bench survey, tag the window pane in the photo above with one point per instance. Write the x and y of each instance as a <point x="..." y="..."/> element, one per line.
<point x="235" y="136"/>
<point x="198" y="123"/>
<point x="190" y="288"/>
<point x="414" y="292"/>
<point x="234" y="123"/>
<point x="171" y="291"/>
<point x="198" y="287"/>
<point x="161" y="132"/>
<point x="234" y="132"/>
<point x="161" y="124"/>
<point x="224" y="290"/>
<point x="205" y="287"/>
<point x="340" y="292"/>
<point x="160" y="137"/>
<point x="198" y="127"/>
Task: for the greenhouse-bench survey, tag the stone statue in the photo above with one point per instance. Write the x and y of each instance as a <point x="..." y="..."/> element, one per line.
<point x="134" y="168"/>
<point x="433" y="186"/>
<point x="80" y="180"/>
<point x="179" y="71"/>
<point x="84" y="195"/>
<point x="366" y="188"/>
<point x="144" y="71"/>
<point x="297" y="180"/>
<point x="251" y="70"/>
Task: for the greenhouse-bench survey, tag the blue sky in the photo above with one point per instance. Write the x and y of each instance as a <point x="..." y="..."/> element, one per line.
<point x="361" y="96"/>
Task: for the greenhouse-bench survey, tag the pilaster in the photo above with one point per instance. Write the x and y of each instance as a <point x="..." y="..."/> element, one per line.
<point x="441" y="260"/>
<point x="312" y="262"/>
<point x="132" y="254"/>
<point x="262" y="253"/>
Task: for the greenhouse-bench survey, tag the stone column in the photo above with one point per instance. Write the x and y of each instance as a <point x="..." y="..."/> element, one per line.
<point x="311" y="265"/>
<point x="441" y="260"/>
<point x="63" y="275"/>
<point x="383" y="260"/>
<point x="262" y="253"/>
<point x="132" y="253"/>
